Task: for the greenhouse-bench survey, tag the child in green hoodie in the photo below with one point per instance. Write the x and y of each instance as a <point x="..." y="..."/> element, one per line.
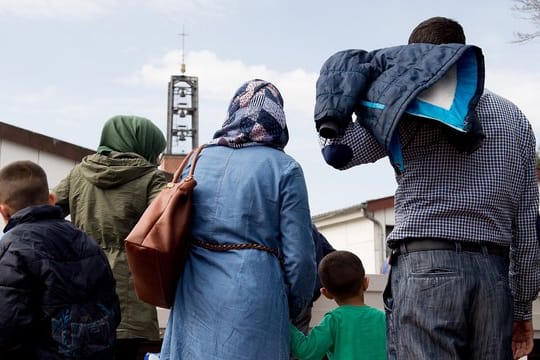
<point x="353" y="330"/>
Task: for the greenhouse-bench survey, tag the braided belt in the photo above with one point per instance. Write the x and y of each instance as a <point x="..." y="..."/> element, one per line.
<point x="227" y="247"/>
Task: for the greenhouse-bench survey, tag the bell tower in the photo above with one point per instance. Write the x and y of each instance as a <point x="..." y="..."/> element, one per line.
<point x="182" y="116"/>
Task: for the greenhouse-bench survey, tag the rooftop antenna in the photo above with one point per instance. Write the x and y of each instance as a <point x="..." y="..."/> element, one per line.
<point x="183" y="35"/>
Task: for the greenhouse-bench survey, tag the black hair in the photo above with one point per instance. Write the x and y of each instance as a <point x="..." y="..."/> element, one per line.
<point x="342" y="273"/>
<point x="438" y="30"/>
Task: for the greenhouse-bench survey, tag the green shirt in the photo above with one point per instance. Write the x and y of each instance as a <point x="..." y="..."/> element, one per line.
<point x="348" y="332"/>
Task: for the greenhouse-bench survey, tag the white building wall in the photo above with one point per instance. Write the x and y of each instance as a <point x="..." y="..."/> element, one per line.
<point x="385" y="216"/>
<point x="10" y="152"/>
<point x="55" y="166"/>
<point x="355" y="235"/>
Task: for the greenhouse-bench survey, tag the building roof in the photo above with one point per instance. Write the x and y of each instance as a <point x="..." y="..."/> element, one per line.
<point x="370" y="205"/>
<point x="43" y="143"/>
<point x="380" y="203"/>
<point x="338" y="212"/>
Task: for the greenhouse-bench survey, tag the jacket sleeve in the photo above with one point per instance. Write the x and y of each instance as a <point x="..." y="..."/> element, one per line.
<point x="61" y="191"/>
<point x="344" y="79"/>
<point x="16" y="317"/>
<point x="317" y="343"/>
<point x="156" y="184"/>
<point x="296" y="241"/>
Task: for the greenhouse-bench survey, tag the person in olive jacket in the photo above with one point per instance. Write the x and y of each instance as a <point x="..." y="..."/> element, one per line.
<point x="105" y="195"/>
<point x="57" y="291"/>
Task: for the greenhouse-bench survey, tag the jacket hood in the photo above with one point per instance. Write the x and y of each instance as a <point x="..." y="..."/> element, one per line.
<point x="33" y="213"/>
<point x="114" y="169"/>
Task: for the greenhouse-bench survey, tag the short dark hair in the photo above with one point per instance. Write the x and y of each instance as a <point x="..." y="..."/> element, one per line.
<point x="22" y="184"/>
<point x="342" y="273"/>
<point x="438" y="30"/>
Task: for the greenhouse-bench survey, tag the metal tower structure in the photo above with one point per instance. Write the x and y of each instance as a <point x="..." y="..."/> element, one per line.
<point x="182" y="111"/>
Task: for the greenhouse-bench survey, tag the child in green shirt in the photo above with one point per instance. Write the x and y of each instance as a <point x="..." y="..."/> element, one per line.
<point x="352" y="331"/>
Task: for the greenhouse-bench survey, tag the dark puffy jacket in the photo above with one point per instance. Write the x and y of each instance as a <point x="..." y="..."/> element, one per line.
<point x="382" y="85"/>
<point x="57" y="291"/>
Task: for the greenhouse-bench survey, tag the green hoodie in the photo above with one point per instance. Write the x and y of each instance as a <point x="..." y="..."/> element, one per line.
<point x="105" y="196"/>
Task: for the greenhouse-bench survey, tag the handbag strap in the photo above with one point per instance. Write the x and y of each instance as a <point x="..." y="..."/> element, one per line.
<point x="194" y="155"/>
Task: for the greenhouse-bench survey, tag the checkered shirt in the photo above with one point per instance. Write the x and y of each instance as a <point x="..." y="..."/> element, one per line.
<point x="489" y="196"/>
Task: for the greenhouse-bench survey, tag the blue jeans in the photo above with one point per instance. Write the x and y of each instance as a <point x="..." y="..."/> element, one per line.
<point x="448" y="304"/>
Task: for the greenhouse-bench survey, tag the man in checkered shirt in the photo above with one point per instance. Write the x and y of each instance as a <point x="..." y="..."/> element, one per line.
<point x="465" y="264"/>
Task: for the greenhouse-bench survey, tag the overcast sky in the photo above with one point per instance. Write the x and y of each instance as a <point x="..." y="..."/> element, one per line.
<point x="66" y="66"/>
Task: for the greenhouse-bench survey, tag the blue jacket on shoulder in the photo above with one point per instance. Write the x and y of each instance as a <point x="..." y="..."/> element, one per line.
<point x="439" y="82"/>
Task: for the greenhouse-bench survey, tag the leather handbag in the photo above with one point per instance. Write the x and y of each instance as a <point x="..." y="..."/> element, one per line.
<point x="158" y="245"/>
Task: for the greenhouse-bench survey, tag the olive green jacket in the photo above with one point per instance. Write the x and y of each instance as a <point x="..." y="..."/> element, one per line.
<point x="105" y="196"/>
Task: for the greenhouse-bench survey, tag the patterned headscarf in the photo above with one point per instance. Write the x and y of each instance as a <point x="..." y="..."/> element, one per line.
<point x="255" y="117"/>
<point x="134" y="134"/>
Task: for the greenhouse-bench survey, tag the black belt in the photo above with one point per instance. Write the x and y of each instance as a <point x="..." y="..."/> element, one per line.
<point x="423" y="244"/>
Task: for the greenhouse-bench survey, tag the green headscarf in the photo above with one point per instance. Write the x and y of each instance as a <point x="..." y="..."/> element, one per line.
<point x="123" y="133"/>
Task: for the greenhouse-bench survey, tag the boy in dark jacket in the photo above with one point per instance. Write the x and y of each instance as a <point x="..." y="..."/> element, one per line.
<point x="57" y="291"/>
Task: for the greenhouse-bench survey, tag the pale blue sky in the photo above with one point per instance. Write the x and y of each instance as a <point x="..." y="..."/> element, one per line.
<point x="68" y="65"/>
